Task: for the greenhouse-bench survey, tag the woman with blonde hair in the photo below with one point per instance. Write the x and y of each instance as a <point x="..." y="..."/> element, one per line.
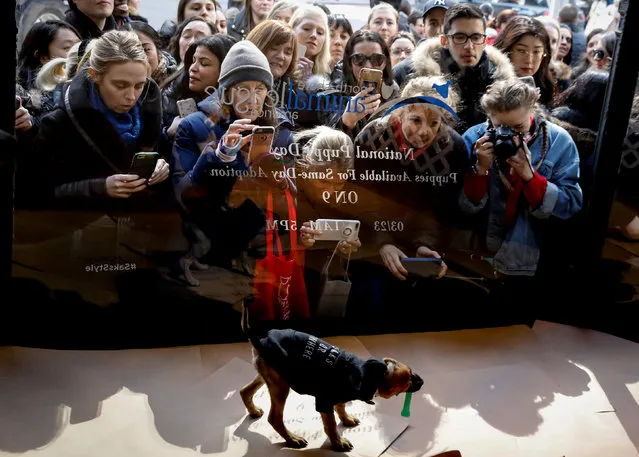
<point x="383" y="19"/>
<point x="110" y="111"/>
<point x="311" y="28"/>
<point x="283" y="10"/>
<point x="330" y="154"/>
<point x="419" y="133"/>
<point x="518" y="187"/>
<point x="57" y="72"/>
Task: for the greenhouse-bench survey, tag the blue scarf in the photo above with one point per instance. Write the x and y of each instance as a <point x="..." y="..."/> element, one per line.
<point x="128" y="125"/>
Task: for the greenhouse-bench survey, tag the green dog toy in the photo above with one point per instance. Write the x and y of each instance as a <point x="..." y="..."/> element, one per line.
<point x="406" y="409"/>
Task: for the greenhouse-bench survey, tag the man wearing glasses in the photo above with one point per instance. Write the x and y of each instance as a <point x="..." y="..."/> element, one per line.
<point x="460" y="55"/>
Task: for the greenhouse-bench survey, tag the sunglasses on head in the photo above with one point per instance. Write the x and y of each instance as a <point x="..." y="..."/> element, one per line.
<point x="359" y="59"/>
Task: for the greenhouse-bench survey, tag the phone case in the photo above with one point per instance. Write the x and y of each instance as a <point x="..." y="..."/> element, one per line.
<point x="337" y="229"/>
<point x="424" y="267"/>
<point x="371" y="78"/>
<point x="261" y="142"/>
<point x="186" y="107"/>
<point x="143" y="164"/>
<point x="301" y="50"/>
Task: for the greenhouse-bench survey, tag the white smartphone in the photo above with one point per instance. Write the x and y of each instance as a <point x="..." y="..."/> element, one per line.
<point x="186" y="107"/>
<point x="301" y="50"/>
<point x="337" y="229"/>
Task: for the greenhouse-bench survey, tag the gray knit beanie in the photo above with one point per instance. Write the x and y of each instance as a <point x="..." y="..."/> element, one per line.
<point x="245" y="62"/>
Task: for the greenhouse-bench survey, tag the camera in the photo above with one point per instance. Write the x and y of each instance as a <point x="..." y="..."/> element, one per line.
<point x="598" y="54"/>
<point x="503" y="140"/>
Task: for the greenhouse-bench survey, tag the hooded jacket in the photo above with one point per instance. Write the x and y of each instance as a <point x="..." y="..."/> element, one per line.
<point x="430" y="58"/>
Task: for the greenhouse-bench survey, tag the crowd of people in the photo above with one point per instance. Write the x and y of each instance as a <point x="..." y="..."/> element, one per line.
<point x="476" y="141"/>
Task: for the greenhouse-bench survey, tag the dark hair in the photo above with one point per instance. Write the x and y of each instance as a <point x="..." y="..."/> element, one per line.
<point x="581" y="104"/>
<point x="502" y="18"/>
<point x="568" y="14"/>
<point x="143" y="27"/>
<point x="594" y="32"/>
<point x="174" y="44"/>
<point x="35" y="46"/>
<point x="361" y="36"/>
<point x="519" y="27"/>
<point x="323" y="8"/>
<point x="487" y="9"/>
<point x="335" y="21"/>
<point x="609" y="42"/>
<point x="462" y="11"/>
<point x="402" y="34"/>
<point x="219" y="45"/>
<point x="414" y="17"/>
<point x="584" y="64"/>
<point x="182" y="6"/>
<point x="568" y="57"/>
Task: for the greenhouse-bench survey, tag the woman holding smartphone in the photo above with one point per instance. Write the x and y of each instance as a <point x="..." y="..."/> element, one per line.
<point x="110" y="111"/>
<point x="365" y="50"/>
<point x="211" y="153"/>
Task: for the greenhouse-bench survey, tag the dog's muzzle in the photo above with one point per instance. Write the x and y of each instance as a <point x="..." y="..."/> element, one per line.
<point x="416" y="383"/>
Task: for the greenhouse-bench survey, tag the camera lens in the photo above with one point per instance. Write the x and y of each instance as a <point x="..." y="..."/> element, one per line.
<point x="347" y="231"/>
<point x="263" y="138"/>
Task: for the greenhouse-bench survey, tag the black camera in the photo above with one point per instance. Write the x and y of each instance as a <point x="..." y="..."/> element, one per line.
<point x="503" y="140"/>
<point x="598" y="54"/>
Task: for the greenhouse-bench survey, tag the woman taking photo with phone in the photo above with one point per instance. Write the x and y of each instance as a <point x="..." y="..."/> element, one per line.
<point x="211" y="151"/>
<point x="364" y="50"/>
<point x="195" y="80"/>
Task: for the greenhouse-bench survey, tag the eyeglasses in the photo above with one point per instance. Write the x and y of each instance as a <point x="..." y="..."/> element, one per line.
<point x="525" y="53"/>
<point x="376" y="60"/>
<point x="462" y="38"/>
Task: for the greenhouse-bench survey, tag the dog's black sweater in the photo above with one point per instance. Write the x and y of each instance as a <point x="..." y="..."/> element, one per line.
<point x="314" y="367"/>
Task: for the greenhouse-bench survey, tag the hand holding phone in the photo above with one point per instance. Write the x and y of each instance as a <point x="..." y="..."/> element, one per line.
<point x="337" y="229"/>
<point x="301" y="50"/>
<point x="144" y="163"/>
<point x="261" y="142"/>
<point x="371" y="77"/>
<point x="186" y="107"/>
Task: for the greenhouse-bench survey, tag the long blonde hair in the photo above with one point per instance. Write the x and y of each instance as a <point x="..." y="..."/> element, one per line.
<point x="322" y="61"/>
<point x="115" y="47"/>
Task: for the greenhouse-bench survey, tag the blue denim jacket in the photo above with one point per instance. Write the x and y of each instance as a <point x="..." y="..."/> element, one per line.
<point x="516" y="247"/>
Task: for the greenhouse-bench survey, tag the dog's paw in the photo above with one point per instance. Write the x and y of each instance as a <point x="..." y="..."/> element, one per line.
<point x="296" y="442"/>
<point x="256" y="412"/>
<point x="342" y="445"/>
<point x="350" y="421"/>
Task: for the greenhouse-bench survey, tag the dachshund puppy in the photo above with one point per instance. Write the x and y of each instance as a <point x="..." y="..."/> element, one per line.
<point x="288" y="359"/>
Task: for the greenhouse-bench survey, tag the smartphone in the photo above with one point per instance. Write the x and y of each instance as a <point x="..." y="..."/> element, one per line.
<point x="301" y="50"/>
<point x="261" y="142"/>
<point x="337" y="229"/>
<point x="186" y="107"/>
<point x="371" y="77"/>
<point x="18" y="103"/>
<point x="424" y="267"/>
<point x="143" y="164"/>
